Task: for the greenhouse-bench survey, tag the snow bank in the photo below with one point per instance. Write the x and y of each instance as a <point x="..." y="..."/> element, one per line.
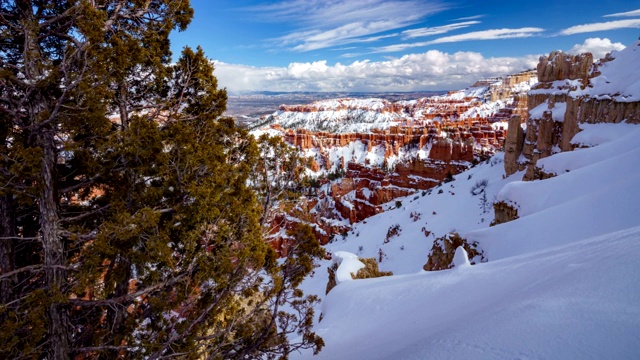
<point x="461" y="258"/>
<point x="572" y="302"/>
<point x="348" y="263"/>
<point x="618" y="79"/>
<point x="557" y="111"/>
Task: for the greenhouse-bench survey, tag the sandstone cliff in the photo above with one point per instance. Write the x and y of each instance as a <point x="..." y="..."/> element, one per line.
<point x="573" y="90"/>
<point x="380" y="150"/>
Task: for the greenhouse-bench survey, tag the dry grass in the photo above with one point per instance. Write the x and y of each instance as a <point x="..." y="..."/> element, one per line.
<point x="370" y="270"/>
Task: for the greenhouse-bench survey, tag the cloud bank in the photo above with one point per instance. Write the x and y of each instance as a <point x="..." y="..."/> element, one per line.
<point x="598" y="47"/>
<point x="431" y="70"/>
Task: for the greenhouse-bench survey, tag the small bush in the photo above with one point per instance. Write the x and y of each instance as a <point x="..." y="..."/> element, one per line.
<point x="479" y="187"/>
<point x="370" y="270"/>
<point x="394" y="230"/>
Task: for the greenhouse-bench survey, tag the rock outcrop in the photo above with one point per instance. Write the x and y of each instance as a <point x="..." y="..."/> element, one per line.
<point x="573" y="90"/>
<point x="561" y="66"/>
<point x="503" y="213"/>
<point x="369" y="271"/>
<point x="513" y="145"/>
<point x="444" y="248"/>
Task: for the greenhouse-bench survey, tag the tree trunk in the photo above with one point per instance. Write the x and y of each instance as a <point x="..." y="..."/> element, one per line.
<point x="7" y="264"/>
<point x="122" y="105"/>
<point x="54" y="255"/>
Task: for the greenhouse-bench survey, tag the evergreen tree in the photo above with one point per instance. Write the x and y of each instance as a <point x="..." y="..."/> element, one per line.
<point x="278" y="174"/>
<point x="127" y="228"/>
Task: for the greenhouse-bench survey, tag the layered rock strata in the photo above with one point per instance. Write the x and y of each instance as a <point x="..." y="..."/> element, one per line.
<point x="572" y="90"/>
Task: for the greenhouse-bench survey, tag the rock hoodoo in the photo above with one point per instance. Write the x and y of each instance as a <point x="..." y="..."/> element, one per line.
<point x="573" y="90"/>
<point x="377" y="151"/>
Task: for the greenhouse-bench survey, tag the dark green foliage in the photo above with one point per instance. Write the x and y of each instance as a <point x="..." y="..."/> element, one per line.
<point x="278" y="175"/>
<point x="338" y="173"/>
<point x="127" y="228"/>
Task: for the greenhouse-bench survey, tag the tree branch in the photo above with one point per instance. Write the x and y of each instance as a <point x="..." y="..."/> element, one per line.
<point x="84" y="214"/>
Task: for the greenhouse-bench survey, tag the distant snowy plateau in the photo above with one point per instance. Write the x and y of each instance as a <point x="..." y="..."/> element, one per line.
<point x="562" y="281"/>
<point x="356" y="115"/>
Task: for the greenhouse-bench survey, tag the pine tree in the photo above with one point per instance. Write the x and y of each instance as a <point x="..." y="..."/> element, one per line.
<point x="278" y="174"/>
<point x="127" y="228"/>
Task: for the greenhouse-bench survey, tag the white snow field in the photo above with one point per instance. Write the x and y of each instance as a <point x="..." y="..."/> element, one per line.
<point x="562" y="281"/>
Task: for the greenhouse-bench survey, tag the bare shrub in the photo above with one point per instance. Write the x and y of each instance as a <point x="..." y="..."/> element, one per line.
<point x="394" y="230"/>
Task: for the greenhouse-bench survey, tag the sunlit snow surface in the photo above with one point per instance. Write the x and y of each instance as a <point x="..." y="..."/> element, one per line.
<point x="562" y="282"/>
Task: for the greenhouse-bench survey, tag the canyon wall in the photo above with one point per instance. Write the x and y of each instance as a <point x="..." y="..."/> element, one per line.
<point x="572" y="91"/>
<point x="380" y="150"/>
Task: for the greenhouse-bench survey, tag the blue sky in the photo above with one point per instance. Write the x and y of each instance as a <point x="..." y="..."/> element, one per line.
<point x="395" y="45"/>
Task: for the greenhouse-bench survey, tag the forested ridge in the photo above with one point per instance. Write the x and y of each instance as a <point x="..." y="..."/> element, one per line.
<point x="130" y="219"/>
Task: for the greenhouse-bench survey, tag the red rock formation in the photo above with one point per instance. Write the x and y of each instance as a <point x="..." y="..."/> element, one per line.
<point x="547" y="133"/>
<point x="430" y="124"/>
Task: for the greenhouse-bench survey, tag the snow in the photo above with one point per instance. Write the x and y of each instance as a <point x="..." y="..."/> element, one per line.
<point x="461" y="258"/>
<point x="615" y="76"/>
<point x="557" y="110"/>
<point x="573" y="302"/>
<point x="348" y="115"/>
<point x="348" y="264"/>
<point x="560" y="282"/>
<point x="596" y="134"/>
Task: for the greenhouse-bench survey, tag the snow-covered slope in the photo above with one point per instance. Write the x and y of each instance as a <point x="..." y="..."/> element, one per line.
<point x="580" y="301"/>
<point x="561" y="281"/>
<point x="340" y="116"/>
<point x="614" y="79"/>
<point x="362" y="115"/>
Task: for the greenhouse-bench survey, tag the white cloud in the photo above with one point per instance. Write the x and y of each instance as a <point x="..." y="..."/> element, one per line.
<point x="609" y="25"/>
<point x="436" y="30"/>
<point x="321" y="24"/>
<point x="346" y="34"/>
<point x="494" y="34"/>
<point x="474" y="17"/>
<point x="598" y="47"/>
<point x="628" y="13"/>
<point x="432" y="70"/>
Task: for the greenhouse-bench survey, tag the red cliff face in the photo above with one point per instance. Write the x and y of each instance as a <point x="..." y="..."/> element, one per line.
<point x="431" y="141"/>
<point x="451" y="147"/>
